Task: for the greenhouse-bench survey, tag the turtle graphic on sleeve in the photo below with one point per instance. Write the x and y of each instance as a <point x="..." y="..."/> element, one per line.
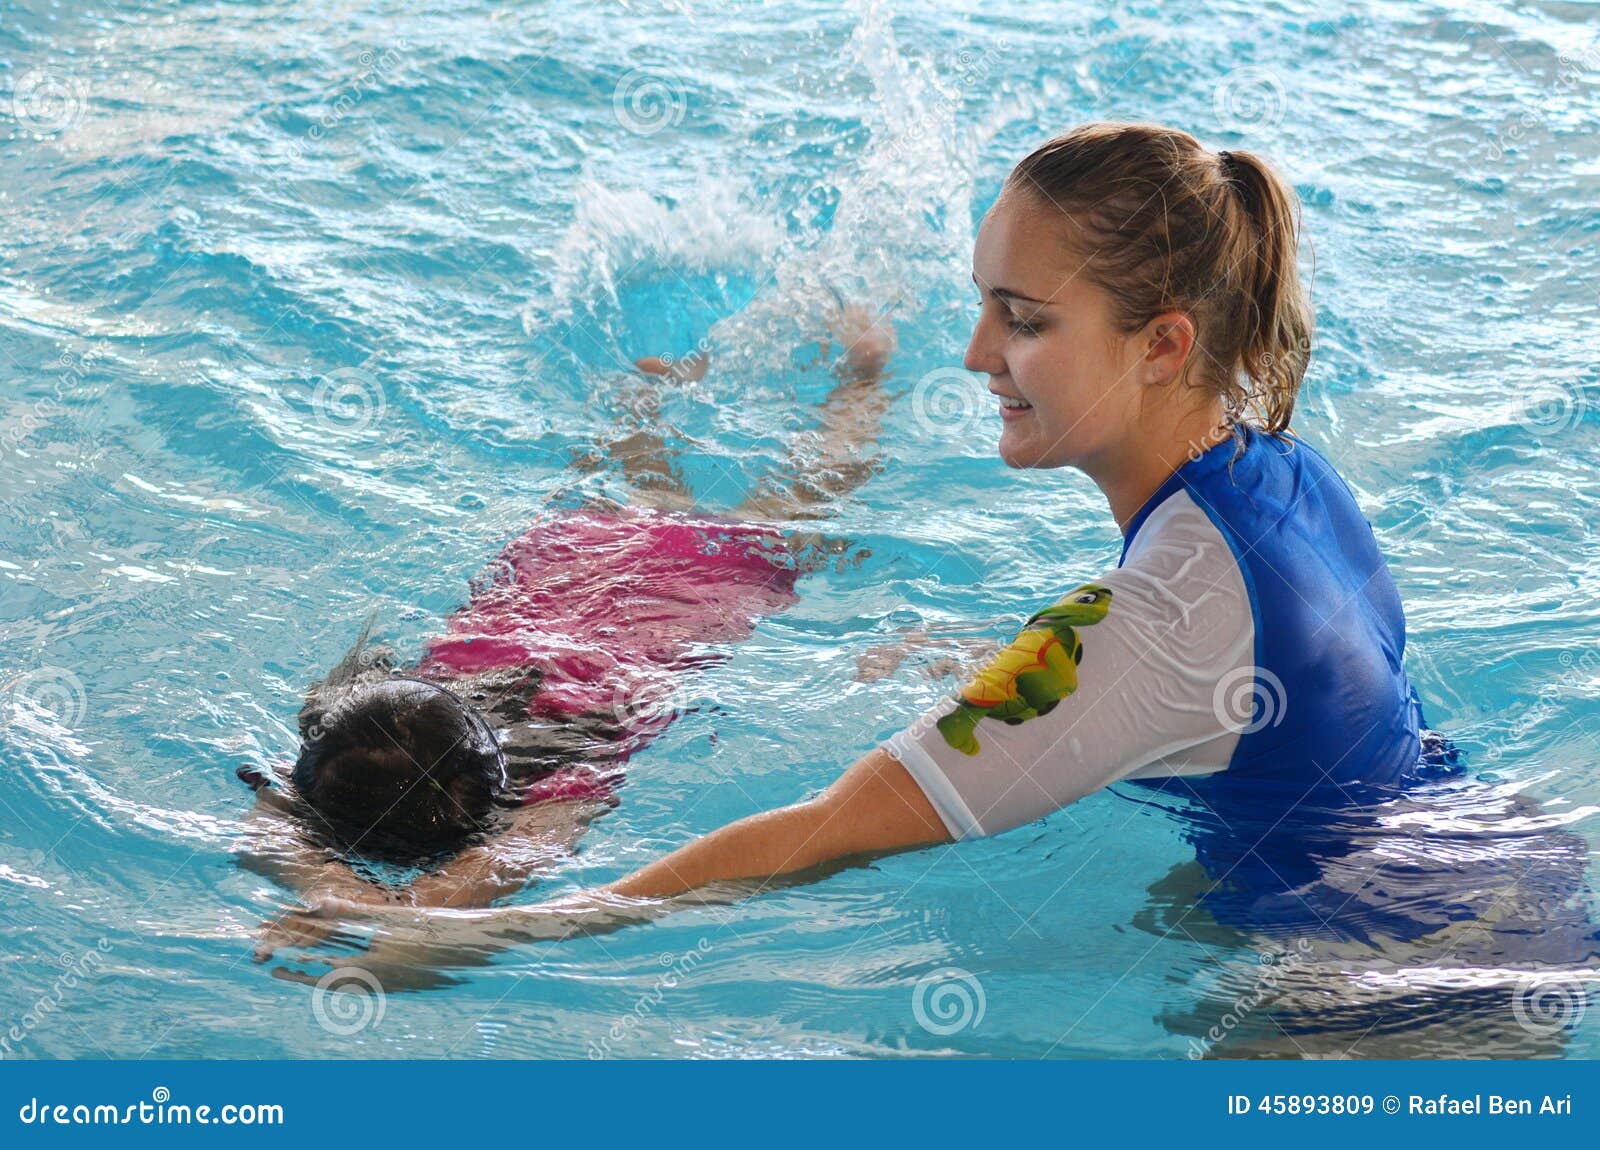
<point x="1033" y="674"/>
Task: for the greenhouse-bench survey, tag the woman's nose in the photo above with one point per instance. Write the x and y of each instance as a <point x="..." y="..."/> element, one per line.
<point x="983" y="349"/>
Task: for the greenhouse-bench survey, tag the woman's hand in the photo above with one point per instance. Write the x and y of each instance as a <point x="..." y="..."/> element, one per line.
<point x="409" y="947"/>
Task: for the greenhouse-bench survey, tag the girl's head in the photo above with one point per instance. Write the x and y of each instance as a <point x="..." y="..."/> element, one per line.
<point x="1133" y="280"/>
<point x="395" y="768"/>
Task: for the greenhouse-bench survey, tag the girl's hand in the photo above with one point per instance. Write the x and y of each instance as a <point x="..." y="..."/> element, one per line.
<point x="948" y="658"/>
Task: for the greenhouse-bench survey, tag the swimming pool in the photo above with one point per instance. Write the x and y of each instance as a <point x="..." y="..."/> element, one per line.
<point x="305" y="312"/>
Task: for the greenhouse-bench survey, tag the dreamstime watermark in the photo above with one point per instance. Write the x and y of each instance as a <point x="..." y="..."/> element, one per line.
<point x="23" y="425"/>
<point x="1552" y="409"/>
<point x="1549" y="1002"/>
<point x="1271" y="967"/>
<point x="74" y="370"/>
<point x="160" y="1110"/>
<point x="969" y="69"/>
<point x="49" y="691"/>
<point x="1577" y="672"/>
<point x="45" y="101"/>
<point x="1248" y="699"/>
<point x="75" y="969"/>
<point x="647" y="101"/>
<point x="642" y="696"/>
<point x="1572" y="72"/>
<point x="70" y="380"/>
<point x="1248" y="98"/>
<point x="625" y="1028"/>
<point x="348" y="399"/>
<point x="689" y="366"/>
<point x="348" y="1000"/>
<point x="948" y="1001"/>
<point x="950" y="401"/>
<point x="375" y="67"/>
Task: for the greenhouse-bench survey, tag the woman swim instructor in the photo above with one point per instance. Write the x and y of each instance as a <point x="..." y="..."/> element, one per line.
<point x="1142" y="320"/>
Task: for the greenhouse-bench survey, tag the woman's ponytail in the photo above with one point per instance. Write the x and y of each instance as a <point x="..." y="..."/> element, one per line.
<point x="1277" y="335"/>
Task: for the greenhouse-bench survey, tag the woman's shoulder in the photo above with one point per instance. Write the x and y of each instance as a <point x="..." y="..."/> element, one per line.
<point x="1181" y="574"/>
<point x="1269" y="485"/>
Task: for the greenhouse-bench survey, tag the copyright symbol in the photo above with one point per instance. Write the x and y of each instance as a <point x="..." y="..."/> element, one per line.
<point x="1391" y="1104"/>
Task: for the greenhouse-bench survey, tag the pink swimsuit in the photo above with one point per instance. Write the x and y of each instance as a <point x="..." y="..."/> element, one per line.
<point x="611" y="607"/>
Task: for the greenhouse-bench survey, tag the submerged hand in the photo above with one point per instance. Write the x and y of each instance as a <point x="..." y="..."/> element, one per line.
<point x="291" y="928"/>
<point x="321" y="919"/>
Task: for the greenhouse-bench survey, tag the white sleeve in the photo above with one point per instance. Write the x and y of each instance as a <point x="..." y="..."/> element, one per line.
<point x="1120" y="678"/>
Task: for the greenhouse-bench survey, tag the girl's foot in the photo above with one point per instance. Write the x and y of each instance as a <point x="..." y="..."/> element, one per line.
<point x="868" y="339"/>
<point x="687" y="369"/>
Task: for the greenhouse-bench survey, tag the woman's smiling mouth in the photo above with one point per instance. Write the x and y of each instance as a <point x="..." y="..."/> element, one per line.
<point x="1013" y="407"/>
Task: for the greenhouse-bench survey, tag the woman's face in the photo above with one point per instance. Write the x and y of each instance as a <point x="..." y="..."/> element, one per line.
<point x="1046" y="340"/>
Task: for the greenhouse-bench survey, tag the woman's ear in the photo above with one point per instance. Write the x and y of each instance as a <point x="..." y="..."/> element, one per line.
<point x="1168" y="342"/>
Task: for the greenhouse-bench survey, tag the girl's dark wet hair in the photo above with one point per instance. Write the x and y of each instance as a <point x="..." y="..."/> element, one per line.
<point x="394" y="768"/>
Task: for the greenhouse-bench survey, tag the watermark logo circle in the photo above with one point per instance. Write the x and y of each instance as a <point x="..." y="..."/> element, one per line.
<point x="46" y="101"/>
<point x="348" y="399"/>
<point x="1546" y="1003"/>
<point x="640" y="697"/>
<point x="348" y="1000"/>
<point x="948" y="1001"/>
<point x="1248" y="699"/>
<point x="1552" y="409"/>
<point x="1250" y="97"/>
<point x="53" y="691"/>
<point x="646" y="101"/>
<point x="949" y="400"/>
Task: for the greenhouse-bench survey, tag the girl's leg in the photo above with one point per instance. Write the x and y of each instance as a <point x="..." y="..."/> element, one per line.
<point x="827" y="464"/>
<point x="823" y="465"/>
<point x="640" y="449"/>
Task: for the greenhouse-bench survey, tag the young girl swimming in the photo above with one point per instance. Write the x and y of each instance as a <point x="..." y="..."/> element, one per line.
<point x="1141" y="319"/>
<point x="484" y="759"/>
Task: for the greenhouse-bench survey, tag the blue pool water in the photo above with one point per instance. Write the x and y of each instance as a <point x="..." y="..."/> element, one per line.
<point x="305" y="310"/>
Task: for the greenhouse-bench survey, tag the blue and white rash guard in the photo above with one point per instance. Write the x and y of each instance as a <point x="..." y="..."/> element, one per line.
<point x="1247" y="649"/>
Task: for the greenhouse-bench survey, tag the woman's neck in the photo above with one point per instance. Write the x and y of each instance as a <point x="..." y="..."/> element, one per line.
<point x="1150" y="455"/>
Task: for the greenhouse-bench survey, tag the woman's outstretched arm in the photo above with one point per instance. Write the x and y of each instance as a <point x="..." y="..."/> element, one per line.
<point x="874" y="808"/>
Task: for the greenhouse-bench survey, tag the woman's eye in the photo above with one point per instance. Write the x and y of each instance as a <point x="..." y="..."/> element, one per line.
<point x="1020" y="326"/>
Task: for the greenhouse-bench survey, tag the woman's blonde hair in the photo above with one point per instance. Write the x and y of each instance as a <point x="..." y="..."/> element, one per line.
<point x="1165" y="225"/>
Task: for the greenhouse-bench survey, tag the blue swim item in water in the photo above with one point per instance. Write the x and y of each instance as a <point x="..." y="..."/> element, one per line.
<point x="1330" y="696"/>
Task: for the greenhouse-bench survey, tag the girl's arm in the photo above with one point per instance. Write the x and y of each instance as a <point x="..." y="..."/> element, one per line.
<point x="540" y="836"/>
<point x="827" y="464"/>
<point x="273" y="846"/>
<point x="957" y="657"/>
